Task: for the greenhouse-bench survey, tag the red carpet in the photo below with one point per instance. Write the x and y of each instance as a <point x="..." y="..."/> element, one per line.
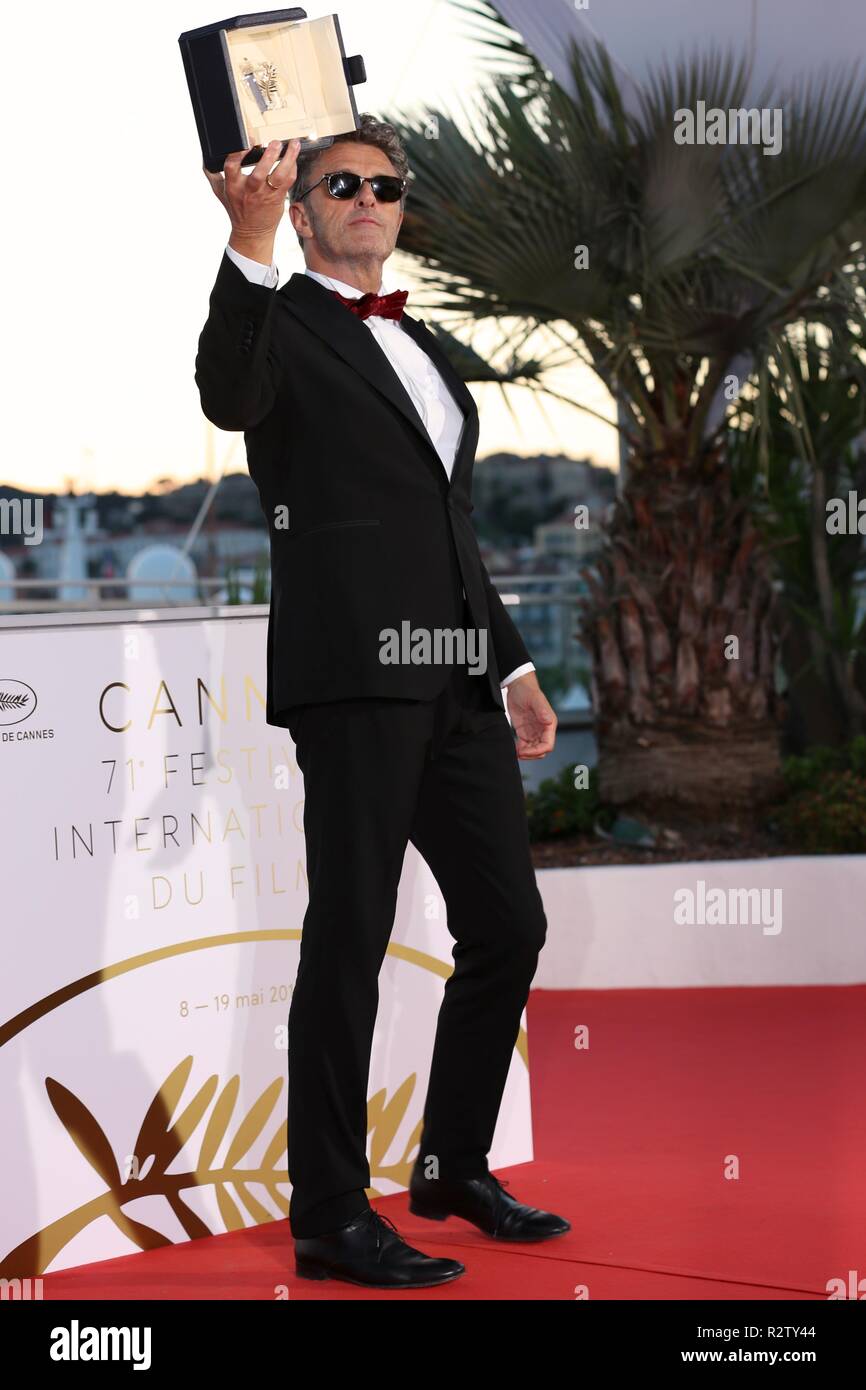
<point x="633" y="1138"/>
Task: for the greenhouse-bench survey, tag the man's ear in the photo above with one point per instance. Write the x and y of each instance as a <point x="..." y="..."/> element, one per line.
<point x="300" y="221"/>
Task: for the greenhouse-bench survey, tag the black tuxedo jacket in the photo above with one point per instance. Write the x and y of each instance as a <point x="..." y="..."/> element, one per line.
<point x="377" y="534"/>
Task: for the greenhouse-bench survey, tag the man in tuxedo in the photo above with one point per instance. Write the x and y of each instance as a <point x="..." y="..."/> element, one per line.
<point x="361" y="438"/>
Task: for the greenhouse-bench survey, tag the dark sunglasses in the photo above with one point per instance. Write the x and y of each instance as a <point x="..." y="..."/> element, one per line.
<point x="387" y="188"/>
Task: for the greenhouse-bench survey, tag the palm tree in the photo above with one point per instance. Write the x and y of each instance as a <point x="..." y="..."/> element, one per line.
<point x="696" y="259"/>
<point x="823" y="645"/>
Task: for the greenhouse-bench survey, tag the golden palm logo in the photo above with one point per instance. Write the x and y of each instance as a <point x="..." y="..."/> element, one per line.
<point x="161" y="1138"/>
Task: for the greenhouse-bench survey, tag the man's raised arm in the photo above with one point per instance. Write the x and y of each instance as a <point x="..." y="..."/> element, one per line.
<point x="237" y="371"/>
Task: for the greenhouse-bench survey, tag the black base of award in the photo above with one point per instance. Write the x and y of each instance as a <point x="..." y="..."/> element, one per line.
<point x="238" y="101"/>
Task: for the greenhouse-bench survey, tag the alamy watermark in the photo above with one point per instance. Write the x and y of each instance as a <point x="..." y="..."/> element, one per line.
<point x="729" y="907"/>
<point x="739" y="126"/>
<point x="846" y="516"/>
<point x="86" y="1343"/>
<point x="438" y="646"/>
<point x="22" y="517"/>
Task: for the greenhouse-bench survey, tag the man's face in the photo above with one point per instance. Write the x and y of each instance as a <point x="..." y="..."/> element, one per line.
<point x="351" y="228"/>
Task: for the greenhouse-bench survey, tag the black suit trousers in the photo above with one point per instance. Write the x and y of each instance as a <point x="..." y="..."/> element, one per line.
<point x="378" y="773"/>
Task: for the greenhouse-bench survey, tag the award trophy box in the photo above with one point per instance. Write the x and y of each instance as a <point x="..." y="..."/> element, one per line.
<point x="271" y="76"/>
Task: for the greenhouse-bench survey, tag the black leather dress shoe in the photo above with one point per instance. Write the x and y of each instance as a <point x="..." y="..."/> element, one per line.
<point x="369" y="1250"/>
<point x="483" y="1202"/>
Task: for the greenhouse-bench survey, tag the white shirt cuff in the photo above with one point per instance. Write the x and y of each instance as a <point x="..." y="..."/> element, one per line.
<point x="518" y="671"/>
<point x="256" y="271"/>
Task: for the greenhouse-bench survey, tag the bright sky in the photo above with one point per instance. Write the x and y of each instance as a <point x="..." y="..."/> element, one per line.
<point x="113" y="237"/>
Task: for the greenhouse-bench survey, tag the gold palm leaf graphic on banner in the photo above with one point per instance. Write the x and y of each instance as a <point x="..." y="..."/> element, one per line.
<point x="161" y="1140"/>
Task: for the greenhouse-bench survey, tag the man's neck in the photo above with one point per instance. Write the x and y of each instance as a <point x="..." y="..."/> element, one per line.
<point x="363" y="273"/>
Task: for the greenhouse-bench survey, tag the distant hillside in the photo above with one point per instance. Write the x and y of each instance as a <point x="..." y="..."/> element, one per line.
<point x="511" y="495"/>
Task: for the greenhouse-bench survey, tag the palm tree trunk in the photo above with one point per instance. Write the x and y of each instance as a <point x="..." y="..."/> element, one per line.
<point x="680" y="620"/>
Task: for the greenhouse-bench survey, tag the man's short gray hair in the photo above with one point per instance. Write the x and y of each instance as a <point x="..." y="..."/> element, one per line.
<point x="370" y="132"/>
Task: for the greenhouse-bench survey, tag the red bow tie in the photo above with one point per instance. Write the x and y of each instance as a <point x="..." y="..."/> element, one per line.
<point x="385" y="306"/>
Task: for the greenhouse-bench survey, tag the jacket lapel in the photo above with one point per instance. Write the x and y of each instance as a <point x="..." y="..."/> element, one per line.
<point x="348" y="336"/>
<point x="421" y="335"/>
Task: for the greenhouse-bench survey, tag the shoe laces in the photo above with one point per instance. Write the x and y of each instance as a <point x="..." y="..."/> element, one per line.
<point x="500" y="1212"/>
<point x="378" y="1219"/>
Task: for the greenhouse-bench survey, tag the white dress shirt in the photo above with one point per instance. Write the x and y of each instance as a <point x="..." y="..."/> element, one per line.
<point x="440" y="413"/>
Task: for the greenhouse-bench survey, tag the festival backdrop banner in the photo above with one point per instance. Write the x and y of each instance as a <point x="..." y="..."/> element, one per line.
<point x="154" y="888"/>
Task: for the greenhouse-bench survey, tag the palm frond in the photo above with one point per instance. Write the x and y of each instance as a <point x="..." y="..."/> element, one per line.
<point x="471" y="366"/>
<point x="563" y="203"/>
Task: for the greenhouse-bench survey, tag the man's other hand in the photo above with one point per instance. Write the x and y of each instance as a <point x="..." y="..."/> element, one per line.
<point x="531" y="717"/>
